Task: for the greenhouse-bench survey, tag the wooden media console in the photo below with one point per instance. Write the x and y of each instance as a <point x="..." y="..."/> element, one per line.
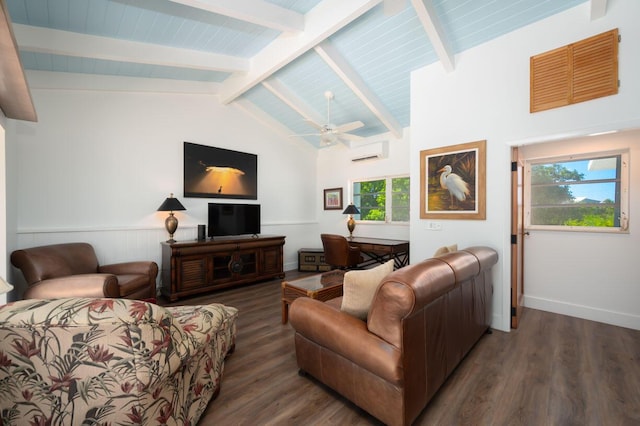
<point x="194" y="267"/>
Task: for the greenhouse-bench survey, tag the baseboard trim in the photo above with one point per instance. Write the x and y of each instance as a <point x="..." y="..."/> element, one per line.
<point x="291" y="266"/>
<point x="585" y="312"/>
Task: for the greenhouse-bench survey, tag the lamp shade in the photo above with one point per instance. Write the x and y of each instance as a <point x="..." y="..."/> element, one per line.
<point x="351" y="209"/>
<point x="171" y="204"/>
<point x="5" y="287"/>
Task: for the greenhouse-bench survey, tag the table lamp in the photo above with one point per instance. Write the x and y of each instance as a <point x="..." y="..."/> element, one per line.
<point x="351" y="224"/>
<point x="5" y="287"/>
<point x="171" y="222"/>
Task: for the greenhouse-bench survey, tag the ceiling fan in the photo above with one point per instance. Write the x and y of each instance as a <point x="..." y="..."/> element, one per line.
<point x="330" y="133"/>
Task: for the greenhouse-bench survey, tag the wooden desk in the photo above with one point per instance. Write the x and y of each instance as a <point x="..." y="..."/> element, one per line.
<point x="380" y="250"/>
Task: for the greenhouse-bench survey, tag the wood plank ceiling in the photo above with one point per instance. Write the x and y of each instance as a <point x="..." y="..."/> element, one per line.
<point x="275" y="59"/>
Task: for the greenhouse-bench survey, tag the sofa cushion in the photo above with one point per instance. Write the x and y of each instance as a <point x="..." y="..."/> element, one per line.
<point x="110" y="361"/>
<point x="130" y="283"/>
<point x="359" y="287"/>
<point x="446" y="249"/>
<point x="54" y="261"/>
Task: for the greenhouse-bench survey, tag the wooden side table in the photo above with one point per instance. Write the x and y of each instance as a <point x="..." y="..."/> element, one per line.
<point x="312" y="259"/>
<point x="325" y="286"/>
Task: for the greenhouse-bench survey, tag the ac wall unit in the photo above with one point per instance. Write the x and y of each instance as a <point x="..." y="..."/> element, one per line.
<point x="372" y="151"/>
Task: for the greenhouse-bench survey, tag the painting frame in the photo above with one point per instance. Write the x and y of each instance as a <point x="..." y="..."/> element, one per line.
<point x="467" y="161"/>
<point x="333" y="199"/>
<point x="213" y="172"/>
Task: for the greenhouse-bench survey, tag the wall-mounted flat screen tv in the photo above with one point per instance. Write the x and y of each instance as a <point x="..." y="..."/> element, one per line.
<point x="233" y="219"/>
<point x="211" y="172"/>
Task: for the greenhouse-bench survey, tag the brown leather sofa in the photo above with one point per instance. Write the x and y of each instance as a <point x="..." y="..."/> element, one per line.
<point x="423" y="320"/>
<point x="72" y="270"/>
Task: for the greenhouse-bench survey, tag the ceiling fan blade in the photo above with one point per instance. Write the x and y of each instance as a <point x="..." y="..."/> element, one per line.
<point x="306" y="134"/>
<point x="350" y="137"/>
<point x="349" y="126"/>
<point x="330" y="133"/>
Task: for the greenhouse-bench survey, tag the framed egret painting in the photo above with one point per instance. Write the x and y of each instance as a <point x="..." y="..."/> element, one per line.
<point x="453" y="182"/>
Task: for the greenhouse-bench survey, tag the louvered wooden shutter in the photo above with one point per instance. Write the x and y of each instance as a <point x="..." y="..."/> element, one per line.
<point x="550" y="74"/>
<point x="595" y="67"/>
<point x="575" y="73"/>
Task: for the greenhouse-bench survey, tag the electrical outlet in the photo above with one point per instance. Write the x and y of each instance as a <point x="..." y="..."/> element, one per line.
<point x="434" y="226"/>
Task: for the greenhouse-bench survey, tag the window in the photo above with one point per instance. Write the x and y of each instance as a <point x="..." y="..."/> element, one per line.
<point x="588" y="193"/>
<point x="371" y="198"/>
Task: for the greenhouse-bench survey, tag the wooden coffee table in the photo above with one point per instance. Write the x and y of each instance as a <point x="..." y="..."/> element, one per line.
<point x="325" y="286"/>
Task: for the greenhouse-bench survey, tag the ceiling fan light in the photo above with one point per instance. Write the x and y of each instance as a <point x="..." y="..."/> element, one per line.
<point x="329" y="138"/>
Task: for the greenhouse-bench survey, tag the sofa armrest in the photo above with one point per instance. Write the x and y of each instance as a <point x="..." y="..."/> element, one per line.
<point x="347" y="336"/>
<point x="144" y="336"/>
<point x="83" y="285"/>
<point x="139" y="267"/>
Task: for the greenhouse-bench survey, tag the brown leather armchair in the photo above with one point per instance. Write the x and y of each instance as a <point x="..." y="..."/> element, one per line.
<point x="72" y="270"/>
<point x="338" y="253"/>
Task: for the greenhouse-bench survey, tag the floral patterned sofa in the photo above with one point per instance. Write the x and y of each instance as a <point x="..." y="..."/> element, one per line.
<point x="110" y="361"/>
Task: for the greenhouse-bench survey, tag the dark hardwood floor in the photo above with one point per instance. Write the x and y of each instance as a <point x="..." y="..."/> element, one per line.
<point x="553" y="370"/>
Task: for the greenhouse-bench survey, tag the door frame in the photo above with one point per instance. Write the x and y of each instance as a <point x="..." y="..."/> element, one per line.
<point x="517" y="236"/>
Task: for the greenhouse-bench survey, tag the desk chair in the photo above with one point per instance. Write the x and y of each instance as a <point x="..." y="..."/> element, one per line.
<point x="338" y="253"/>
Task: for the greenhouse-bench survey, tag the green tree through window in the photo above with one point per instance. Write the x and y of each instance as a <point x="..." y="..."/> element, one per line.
<point x="577" y="193"/>
<point x="371" y="198"/>
<point x="400" y="202"/>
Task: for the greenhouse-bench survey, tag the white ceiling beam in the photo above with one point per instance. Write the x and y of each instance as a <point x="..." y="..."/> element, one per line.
<point x="255" y="11"/>
<point x="294" y="102"/>
<point x="598" y="8"/>
<point x="58" y="42"/>
<point x="338" y="63"/>
<point x="258" y="114"/>
<point x="393" y="7"/>
<point x="117" y="83"/>
<point x="15" y="97"/>
<point x="322" y="21"/>
<point x="429" y="19"/>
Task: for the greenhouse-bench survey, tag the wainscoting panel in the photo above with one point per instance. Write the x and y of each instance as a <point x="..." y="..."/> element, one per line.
<point x="113" y="245"/>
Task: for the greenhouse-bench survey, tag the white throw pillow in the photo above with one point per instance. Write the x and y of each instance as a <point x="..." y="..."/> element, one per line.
<point x="446" y="249"/>
<point x="360" y="286"/>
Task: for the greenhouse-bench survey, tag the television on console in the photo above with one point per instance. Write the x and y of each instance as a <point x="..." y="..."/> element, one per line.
<point x="233" y="219"/>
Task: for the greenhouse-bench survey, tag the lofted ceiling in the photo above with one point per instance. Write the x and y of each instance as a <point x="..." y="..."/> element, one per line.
<point x="273" y="58"/>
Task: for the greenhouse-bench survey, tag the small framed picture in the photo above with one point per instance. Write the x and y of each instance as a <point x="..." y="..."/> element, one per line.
<point x="333" y="199"/>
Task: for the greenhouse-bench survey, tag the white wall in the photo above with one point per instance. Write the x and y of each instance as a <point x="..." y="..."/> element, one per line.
<point x="487" y="97"/>
<point x="98" y="164"/>
<point x="559" y="264"/>
<point x="336" y="170"/>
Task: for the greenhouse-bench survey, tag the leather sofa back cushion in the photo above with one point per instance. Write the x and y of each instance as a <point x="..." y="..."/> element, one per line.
<point x="54" y="261"/>
<point x="359" y="287"/>
<point x="406" y="291"/>
<point x="413" y="287"/>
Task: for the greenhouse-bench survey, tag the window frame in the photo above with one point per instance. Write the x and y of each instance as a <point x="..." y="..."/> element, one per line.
<point x="624" y="191"/>
<point x="388" y="208"/>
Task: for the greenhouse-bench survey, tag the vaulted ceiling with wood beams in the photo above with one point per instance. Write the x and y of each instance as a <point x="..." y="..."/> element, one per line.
<point x="332" y="71"/>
